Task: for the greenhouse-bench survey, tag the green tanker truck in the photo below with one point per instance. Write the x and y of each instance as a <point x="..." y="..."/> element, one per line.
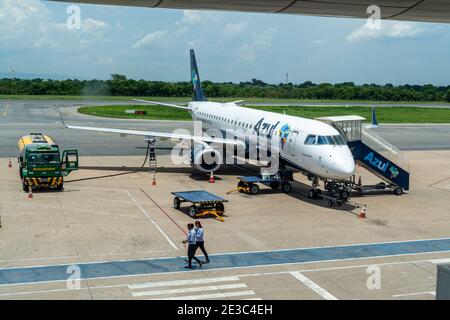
<point x="41" y="164"/>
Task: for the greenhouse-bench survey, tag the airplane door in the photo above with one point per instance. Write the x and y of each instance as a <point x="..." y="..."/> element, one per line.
<point x="291" y="142"/>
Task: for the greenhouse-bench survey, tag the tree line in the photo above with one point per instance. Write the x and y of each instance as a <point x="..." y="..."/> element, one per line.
<point x="119" y="85"/>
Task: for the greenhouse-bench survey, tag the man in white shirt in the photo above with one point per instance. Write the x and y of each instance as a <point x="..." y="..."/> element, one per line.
<point x="191" y="246"/>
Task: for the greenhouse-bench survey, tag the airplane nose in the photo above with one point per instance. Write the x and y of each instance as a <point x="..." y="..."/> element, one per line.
<point x="344" y="168"/>
<point x="348" y="168"/>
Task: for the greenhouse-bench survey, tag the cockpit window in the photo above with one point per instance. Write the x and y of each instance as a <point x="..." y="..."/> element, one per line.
<point x="324" y="140"/>
<point x="329" y="140"/>
<point x="311" y="139"/>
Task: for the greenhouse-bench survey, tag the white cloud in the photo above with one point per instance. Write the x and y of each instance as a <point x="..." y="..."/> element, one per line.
<point x="192" y="17"/>
<point x="259" y="41"/>
<point x="162" y="38"/>
<point x="20" y="17"/>
<point x="232" y="30"/>
<point x="150" y="40"/>
<point x="30" y="23"/>
<point x="91" y="25"/>
<point x="387" y="30"/>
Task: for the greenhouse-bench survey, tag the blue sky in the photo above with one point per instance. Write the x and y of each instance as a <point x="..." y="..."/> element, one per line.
<point x="153" y="44"/>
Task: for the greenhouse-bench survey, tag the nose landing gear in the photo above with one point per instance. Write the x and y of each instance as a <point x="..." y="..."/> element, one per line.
<point x="338" y="192"/>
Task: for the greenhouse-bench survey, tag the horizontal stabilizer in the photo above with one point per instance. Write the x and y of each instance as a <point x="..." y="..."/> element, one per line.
<point x="156" y="103"/>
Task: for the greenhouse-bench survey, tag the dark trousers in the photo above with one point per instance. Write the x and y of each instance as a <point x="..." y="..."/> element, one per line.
<point x="201" y="245"/>
<point x="191" y="254"/>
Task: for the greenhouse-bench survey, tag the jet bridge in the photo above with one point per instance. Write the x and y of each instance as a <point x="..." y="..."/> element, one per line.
<point x="373" y="152"/>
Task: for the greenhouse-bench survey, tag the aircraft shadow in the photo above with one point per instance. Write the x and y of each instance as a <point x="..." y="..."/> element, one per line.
<point x="299" y="192"/>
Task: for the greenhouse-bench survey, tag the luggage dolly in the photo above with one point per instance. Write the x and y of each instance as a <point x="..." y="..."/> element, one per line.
<point x="249" y="184"/>
<point x="203" y="203"/>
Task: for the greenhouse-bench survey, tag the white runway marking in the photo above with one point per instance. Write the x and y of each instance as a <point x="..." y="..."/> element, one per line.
<point x="212" y="296"/>
<point x="437" y="261"/>
<point x="185" y="290"/>
<point x="152" y="221"/>
<point x="413" y="294"/>
<point x="313" y="286"/>
<point x="181" y="282"/>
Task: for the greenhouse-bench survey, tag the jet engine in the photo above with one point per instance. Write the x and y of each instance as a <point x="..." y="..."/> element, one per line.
<point x="206" y="159"/>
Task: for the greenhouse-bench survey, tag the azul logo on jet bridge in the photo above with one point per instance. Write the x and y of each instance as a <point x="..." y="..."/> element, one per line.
<point x="375" y="162"/>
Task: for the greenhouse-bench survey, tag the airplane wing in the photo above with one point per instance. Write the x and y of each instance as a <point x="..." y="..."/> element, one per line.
<point x="152" y="134"/>
<point x="410" y="10"/>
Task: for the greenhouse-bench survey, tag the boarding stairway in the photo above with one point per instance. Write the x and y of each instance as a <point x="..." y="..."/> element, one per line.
<point x="373" y="153"/>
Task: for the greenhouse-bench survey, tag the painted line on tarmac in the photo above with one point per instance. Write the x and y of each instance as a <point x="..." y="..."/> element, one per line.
<point x="173" y="283"/>
<point x="152" y="221"/>
<point x="211" y="296"/>
<point x="94" y="270"/>
<point x="414" y="294"/>
<point x="312" y="285"/>
<point x="163" y="211"/>
<point x="438" y="261"/>
<point x="185" y="290"/>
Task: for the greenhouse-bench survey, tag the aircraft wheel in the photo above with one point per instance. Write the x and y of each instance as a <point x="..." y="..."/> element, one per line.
<point x="176" y="203"/>
<point x="286" y="187"/>
<point x="344" y="195"/>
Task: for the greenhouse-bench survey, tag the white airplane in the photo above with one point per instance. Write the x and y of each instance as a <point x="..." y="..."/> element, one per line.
<point x="311" y="146"/>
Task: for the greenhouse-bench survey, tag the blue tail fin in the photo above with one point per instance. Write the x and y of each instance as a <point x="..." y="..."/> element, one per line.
<point x="374" y="118"/>
<point x="195" y="78"/>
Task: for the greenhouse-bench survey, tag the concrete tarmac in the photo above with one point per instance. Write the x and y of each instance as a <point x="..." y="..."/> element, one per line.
<point x="123" y="236"/>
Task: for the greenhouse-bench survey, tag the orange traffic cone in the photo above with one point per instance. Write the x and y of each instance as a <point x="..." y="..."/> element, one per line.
<point x="154" y="181"/>
<point x="362" y="214"/>
<point x="211" y="178"/>
<point x="9" y="164"/>
<point x="30" y="193"/>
